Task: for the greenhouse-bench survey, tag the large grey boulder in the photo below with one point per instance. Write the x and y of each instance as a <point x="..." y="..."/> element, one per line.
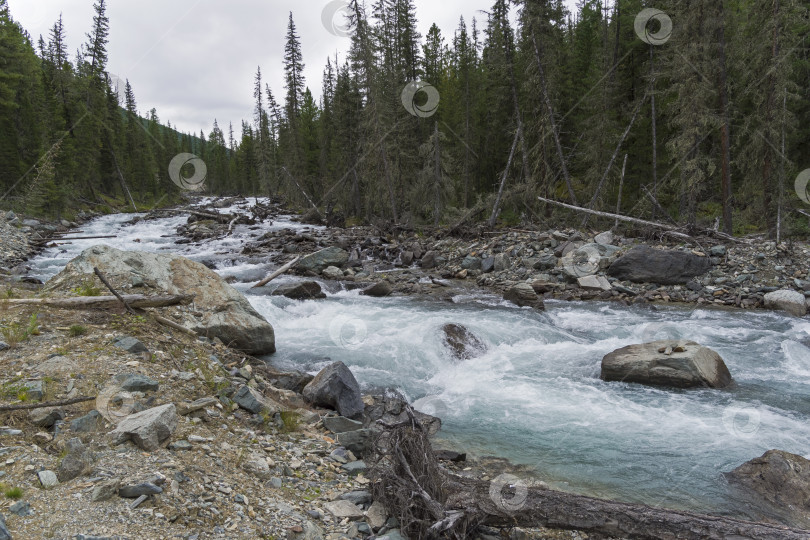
<point x="778" y="483"/>
<point x="148" y="429"/>
<point x="680" y="364"/>
<point x="336" y="387"/>
<point x="318" y="262"/>
<point x="523" y="295"/>
<point x="666" y="267"/>
<point x="462" y="343"/>
<point x="303" y="290"/>
<point x="791" y="301"/>
<point x="225" y="312"/>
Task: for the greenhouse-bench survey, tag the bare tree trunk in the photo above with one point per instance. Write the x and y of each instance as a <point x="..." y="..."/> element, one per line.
<point x="621" y="185"/>
<point x="725" y="135"/>
<point x="652" y="119"/>
<point x="103" y="302"/>
<point x="767" y="164"/>
<point x="495" y="209"/>
<point x="437" y="176"/>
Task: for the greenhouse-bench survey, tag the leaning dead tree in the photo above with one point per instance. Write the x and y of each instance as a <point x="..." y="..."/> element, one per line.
<point x="431" y="502"/>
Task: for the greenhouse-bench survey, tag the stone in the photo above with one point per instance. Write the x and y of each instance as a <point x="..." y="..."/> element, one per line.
<point x="129" y="344"/>
<point x="276" y="482"/>
<point x="332" y="272"/>
<point x="358" y="497"/>
<point x="34" y="390"/>
<point x="523" y="295"/>
<point x="675" y="363"/>
<point x="488" y="265"/>
<point x="76" y="462"/>
<point x="48" y="479"/>
<point x="188" y="408"/>
<point x="302" y="290"/>
<point x="46" y="417"/>
<point x="354" y="468"/>
<point x="148" y="429"/>
<point x="226" y="313"/>
<point x="501" y="262"/>
<point x="88" y="423"/>
<point x="462" y="343"/>
<point x="379" y="289"/>
<point x="342" y="509"/>
<point x="308" y="531"/>
<point x="293" y="380"/>
<point x="335" y="386"/>
<point x="5" y="534"/>
<point x="718" y="251"/>
<point x="180" y="445"/>
<point x="392" y="534"/>
<point x="586" y="260"/>
<point x="3" y="345"/>
<point x="471" y="263"/>
<point x="340" y="424"/>
<point x="450" y="455"/>
<point x="21" y="508"/>
<point x="320" y="260"/>
<point x="779" y="482"/>
<point x="376" y="515"/>
<point x="594" y="283"/>
<point x="792" y="302"/>
<point x="133" y="491"/>
<point x="358" y="442"/>
<point x="251" y="400"/>
<point x="407" y="258"/>
<point x="546" y="261"/>
<point x="429" y="260"/>
<point x="105" y="490"/>
<point x="390" y="409"/>
<point x="605" y="238"/>
<point x="665" y="267"/>
<point x="137" y="383"/>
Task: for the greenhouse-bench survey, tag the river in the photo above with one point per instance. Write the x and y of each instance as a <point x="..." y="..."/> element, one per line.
<point x="535" y="396"/>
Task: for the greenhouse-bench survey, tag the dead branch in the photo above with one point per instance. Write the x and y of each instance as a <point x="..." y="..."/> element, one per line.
<point x="166" y="322"/>
<point x="59" y="403"/>
<point x="97" y="272"/>
<point x="104" y="302"/>
<point x="277" y="273"/>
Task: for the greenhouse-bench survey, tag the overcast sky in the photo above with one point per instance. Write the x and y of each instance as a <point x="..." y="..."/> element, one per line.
<point x="194" y="60"/>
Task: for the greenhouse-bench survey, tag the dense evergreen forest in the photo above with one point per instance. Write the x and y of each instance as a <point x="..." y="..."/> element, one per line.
<point x="704" y="121"/>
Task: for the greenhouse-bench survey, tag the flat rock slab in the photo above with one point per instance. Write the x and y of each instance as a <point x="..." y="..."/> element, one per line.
<point x="793" y="302"/>
<point x="134" y="382"/>
<point x="148" y="429"/>
<point x="252" y="400"/>
<point x="129" y="344"/>
<point x="643" y="264"/>
<point x="133" y="491"/>
<point x="343" y="509"/>
<point x="679" y="364"/>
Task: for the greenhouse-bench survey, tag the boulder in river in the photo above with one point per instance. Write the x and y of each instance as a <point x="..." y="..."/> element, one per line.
<point x="462" y="343"/>
<point x="320" y="260"/>
<point x="644" y="264"/>
<point x="335" y="386"/>
<point x="379" y="289"/>
<point x="302" y="290"/>
<point x="676" y="363"/>
<point x="791" y="301"/>
<point x="224" y="312"/>
<point x="781" y="481"/>
<point x="523" y="295"/>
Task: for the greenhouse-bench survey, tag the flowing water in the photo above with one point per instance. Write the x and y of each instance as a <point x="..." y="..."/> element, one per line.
<point x="535" y="396"/>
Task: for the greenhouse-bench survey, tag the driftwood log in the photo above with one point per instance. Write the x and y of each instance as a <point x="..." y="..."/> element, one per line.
<point x="59" y="403"/>
<point x="431" y="502"/>
<point x="277" y="273"/>
<point x="104" y="302"/>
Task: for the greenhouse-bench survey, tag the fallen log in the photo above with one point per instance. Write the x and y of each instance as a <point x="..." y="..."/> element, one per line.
<point x="431" y="502"/>
<point x="277" y="273"/>
<point x="104" y="302"/>
<point x="106" y="283"/>
<point x="60" y="403"/>
<point x="171" y="324"/>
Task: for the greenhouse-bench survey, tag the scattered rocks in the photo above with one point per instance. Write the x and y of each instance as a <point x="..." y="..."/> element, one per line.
<point x="791" y="301"/>
<point x="779" y="479"/>
<point x="680" y="364"/>
<point x="302" y="290"/>
<point x="462" y="343"/>
<point x="46" y="417"/>
<point x="358" y="441"/>
<point x="335" y="386"/>
<point x="667" y="267"/>
<point x="148" y="429"/>
<point x="379" y="289"/>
